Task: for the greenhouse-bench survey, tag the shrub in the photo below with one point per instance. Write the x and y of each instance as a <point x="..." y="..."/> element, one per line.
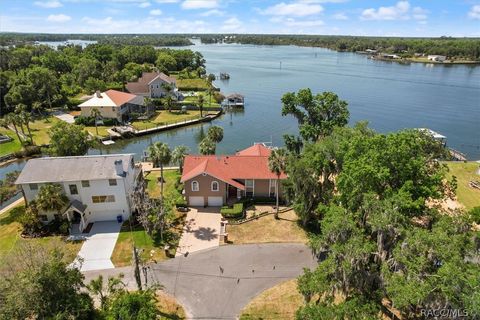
<point x="475" y="214"/>
<point x="236" y="212"/>
<point x="90" y="121"/>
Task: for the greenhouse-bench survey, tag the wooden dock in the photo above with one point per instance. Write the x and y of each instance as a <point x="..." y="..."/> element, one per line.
<point x="457" y="155"/>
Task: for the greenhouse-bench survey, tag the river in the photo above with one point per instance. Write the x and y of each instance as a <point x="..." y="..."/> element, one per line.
<point x="391" y="96"/>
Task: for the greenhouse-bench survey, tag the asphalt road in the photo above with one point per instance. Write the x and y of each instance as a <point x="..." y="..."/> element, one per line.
<point x="218" y="283"/>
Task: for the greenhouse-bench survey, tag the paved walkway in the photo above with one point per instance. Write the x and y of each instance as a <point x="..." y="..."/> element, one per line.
<point x="198" y="283"/>
<point x="201" y="230"/>
<point x="98" y="246"/>
<point x="68" y="118"/>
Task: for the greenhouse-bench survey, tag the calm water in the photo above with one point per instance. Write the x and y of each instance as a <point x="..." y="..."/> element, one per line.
<point x="390" y="96"/>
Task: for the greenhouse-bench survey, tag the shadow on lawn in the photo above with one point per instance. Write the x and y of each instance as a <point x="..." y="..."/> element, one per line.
<point x="13" y="215"/>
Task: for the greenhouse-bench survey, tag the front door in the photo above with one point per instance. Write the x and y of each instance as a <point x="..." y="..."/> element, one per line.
<point x="76" y="217"/>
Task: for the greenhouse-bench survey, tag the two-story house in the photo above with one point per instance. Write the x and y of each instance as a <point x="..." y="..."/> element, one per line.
<point x="153" y="85"/>
<point x="99" y="188"/>
<point x="114" y="104"/>
<point x="213" y="180"/>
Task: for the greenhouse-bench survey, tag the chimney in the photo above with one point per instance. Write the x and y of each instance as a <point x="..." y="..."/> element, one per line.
<point x="119" y="167"/>
<point x="98" y="94"/>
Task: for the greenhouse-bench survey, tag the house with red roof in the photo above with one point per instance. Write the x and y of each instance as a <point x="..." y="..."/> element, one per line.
<point x="114" y="104"/>
<point x="214" y="180"/>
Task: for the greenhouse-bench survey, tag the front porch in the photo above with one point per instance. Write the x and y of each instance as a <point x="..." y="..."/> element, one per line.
<point x="76" y="217"/>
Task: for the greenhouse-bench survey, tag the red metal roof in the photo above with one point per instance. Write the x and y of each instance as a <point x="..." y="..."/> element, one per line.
<point x="251" y="163"/>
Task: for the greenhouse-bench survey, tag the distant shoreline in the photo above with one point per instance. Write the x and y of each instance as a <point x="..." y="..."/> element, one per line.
<point x="416" y="60"/>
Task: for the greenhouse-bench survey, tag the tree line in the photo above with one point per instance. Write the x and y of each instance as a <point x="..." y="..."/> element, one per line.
<point x="460" y="48"/>
<point x="366" y="200"/>
<point x="39" y="77"/>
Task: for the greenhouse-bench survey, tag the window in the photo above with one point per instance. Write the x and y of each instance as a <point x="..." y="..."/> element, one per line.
<point x="73" y="188"/>
<point x="113" y="109"/>
<point x="33" y="186"/>
<point x="273" y="188"/>
<point x="85" y="183"/>
<point x="195" y="186"/>
<point x="103" y="199"/>
<point x="112" y="182"/>
<point x="215" y="186"/>
<point x="249" y="188"/>
<point x="43" y="217"/>
<point x="249" y="183"/>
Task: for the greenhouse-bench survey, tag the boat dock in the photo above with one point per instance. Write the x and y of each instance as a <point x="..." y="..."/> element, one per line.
<point x="234" y="100"/>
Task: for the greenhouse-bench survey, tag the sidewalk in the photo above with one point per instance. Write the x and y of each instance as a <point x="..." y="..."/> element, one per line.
<point x="12" y="205"/>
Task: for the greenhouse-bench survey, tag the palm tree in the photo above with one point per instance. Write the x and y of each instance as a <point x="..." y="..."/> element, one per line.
<point x="178" y="155"/>
<point x="160" y="155"/>
<point x="207" y="146"/>
<point x="96" y="114"/>
<point x="210" y="91"/>
<point x="277" y="164"/>
<point x="26" y="118"/>
<point x="169" y="102"/>
<point x="200" y="103"/>
<point x="215" y="133"/>
<point x="51" y="197"/>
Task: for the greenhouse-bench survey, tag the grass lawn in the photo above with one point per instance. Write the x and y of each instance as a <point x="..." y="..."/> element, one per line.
<point x="12" y="146"/>
<point x="277" y="303"/>
<point x="193" y="100"/>
<point x="102" y="131"/>
<point x="164" y="117"/>
<point x="169" y="307"/>
<point x="267" y="229"/>
<point x="40" y="129"/>
<point x="10" y="239"/>
<point x="192" y="84"/>
<point x="465" y="172"/>
<point x="152" y="248"/>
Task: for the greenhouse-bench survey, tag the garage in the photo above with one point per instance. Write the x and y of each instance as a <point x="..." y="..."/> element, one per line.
<point x="196" y="201"/>
<point x="215" y="201"/>
<point x="103" y="215"/>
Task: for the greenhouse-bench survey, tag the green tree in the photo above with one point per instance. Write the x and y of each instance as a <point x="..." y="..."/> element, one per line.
<point x="51" y="197"/>
<point x="169" y="102"/>
<point x="96" y="114"/>
<point x="277" y="164"/>
<point x="215" y="134"/>
<point x="42" y="286"/>
<point x="207" y="146"/>
<point x="139" y="305"/>
<point x="30" y="220"/>
<point x="317" y="115"/>
<point x="68" y="140"/>
<point x="104" y="291"/>
<point x="178" y="155"/>
<point x="165" y="62"/>
<point x="91" y="85"/>
<point x="13" y="120"/>
<point x="160" y="155"/>
<point x="200" y="103"/>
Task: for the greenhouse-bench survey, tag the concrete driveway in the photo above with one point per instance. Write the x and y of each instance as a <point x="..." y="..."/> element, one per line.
<point x="68" y="118"/>
<point x="218" y="283"/>
<point x="201" y="231"/>
<point x="98" y="246"/>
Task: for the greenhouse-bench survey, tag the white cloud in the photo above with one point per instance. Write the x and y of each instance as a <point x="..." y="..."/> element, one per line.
<point x="397" y="12"/>
<point x="322" y="1"/>
<point x="293" y="9"/>
<point x="48" y="4"/>
<point x="340" y="16"/>
<point x="303" y="23"/>
<point x="213" y="12"/>
<point x="199" y="4"/>
<point x="167" y="1"/>
<point x="420" y="14"/>
<point x="58" y="18"/>
<point x="155" y="12"/>
<point x="144" y="4"/>
<point x="232" y="24"/>
<point x="474" y="12"/>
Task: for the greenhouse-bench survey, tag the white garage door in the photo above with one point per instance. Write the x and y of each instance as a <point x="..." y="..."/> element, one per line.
<point x="215" y="201"/>
<point x="104" y="216"/>
<point x="196" y="201"/>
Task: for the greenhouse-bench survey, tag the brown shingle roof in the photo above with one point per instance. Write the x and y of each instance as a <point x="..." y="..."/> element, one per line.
<point x="141" y="86"/>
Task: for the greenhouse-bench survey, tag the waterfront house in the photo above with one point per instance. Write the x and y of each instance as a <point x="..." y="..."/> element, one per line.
<point x="437" y="58"/>
<point x="114" y="104"/>
<point x="99" y="188"/>
<point x="217" y="180"/>
<point x="154" y="85"/>
<point x="234" y="100"/>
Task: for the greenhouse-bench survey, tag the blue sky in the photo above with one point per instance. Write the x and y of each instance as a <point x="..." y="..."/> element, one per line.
<point x="347" y="17"/>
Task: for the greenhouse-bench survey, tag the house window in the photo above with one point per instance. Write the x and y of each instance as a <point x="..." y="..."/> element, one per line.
<point x="73" y="188"/>
<point x="112" y="182"/>
<point x="249" y="188"/>
<point x="103" y="199"/>
<point x="85" y="183"/>
<point x="273" y="188"/>
<point x="113" y="109"/>
<point x="195" y="186"/>
<point x="33" y="186"/>
<point x="215" y="186"/>
<point x="43" y="217"/>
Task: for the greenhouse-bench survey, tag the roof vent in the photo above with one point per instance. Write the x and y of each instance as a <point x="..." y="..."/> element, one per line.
<point x="98" y="94"/>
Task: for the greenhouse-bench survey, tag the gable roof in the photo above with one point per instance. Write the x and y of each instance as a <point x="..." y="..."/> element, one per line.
<point x="110" y="98"/>
<point x="141" y="85"/>
<point x="251" y="163"/>
<point x="60" y="169"/>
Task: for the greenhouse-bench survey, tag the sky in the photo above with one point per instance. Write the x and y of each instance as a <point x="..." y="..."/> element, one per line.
<point x="431" y="18"/>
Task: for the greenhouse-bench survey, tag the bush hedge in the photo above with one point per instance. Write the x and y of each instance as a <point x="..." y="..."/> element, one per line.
<point x="90" y="121"/>
<point x="236" y="212"/>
